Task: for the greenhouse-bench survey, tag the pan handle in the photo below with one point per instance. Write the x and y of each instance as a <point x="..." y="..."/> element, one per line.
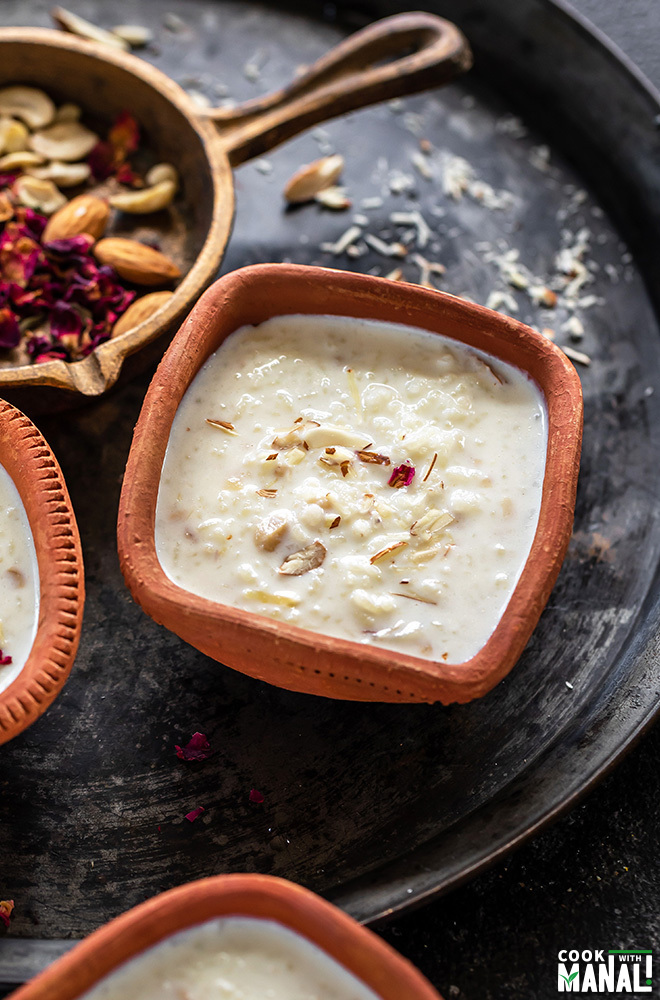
<point x="352" y="75"/>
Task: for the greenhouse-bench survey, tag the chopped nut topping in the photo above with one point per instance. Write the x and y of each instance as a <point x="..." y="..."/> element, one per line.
<point x="430" y="468"/>
<point x="269" y="494"/>
<point x="388" y="551"/>
<point x="223" y="425"/>
<point x="335" y="523"/>
<point x="271" y="530"/>
<point x="304" y="560"/>
<point x="432" y="522"/>
<point x="372" y="457"/>
<point x="414" y="597"/>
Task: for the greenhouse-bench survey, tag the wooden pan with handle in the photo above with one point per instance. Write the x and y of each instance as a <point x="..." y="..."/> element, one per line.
<point x="399" y="55"/>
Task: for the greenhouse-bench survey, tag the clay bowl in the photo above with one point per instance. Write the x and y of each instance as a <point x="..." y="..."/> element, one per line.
<point x="372" y="65"/>
<point x="33" y="467"/>
<point x="296" y="658"/>
<point x="360" y="951"/>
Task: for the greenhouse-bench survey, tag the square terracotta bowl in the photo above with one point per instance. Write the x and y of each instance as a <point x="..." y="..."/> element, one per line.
<point x="38" y="478"/>
<point x="366" y="956"/>
<point x="297" y="658"/>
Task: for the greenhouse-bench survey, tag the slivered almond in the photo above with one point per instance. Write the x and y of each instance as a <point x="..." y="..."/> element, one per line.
<point x="304" y="560"/>
<point x="136" y="262"/>
<point x="386" y="552"/>
<point x="333" y="197"/>
<point x="85" y="29"/>
<point x="312" y="178"/>
<point x="372" y="457"/>
<point x="84" y="214"/>
<point x="324" y="435"/>
<point x="140" y="310"/>
<point x="432" y="522"/>
<point x="223" y="425"/>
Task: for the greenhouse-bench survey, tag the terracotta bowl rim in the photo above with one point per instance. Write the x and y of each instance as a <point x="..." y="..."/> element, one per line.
<point x="96" y="373"/>
<point x="356" y="948"/>
<point x="38" y="478"/>
<point x="561" y="389"/>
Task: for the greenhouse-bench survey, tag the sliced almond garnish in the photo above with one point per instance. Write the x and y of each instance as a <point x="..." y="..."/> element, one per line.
<point x="285" y="600"/>
<point x="433" y="522"/>
<point x="271" y="530"/>
<point x="430" y="468"/>
<point x="294" y="456"/>
<point x="304" y="560"/>
<point x="325" y="435"/>
<point x="136" y="35"/>
<point x="387" y="552"/>
<point x="85" y="29"/>
<point x="415" y="597"/>
<point x="32" y="106"/>
<point x="354" y="390"/>
<point x="312" y="178"/>
<point x="333" y="197"/>
<point x="223" y="425"/>
<point x="372" y="457"/>
<point x="269" y="494"/>
<point x="335" y="523"/>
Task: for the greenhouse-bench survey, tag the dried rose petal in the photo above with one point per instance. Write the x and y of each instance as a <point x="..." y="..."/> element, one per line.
<point x="402" y="475"/>
<point x="126" y="175"/>
<point x="125" y="134"/>
<point x="256" y="796"/>
<point x="4" y="661"/>
<point x="10" y="334"/>
<point x="6" y="908"/>
<point x="73" y="245"/>
<point x="101" y="161"/>
<point x="198" y="748"/>
<point x="6" y="180"/>
<point x="65" y="321"/>
<point x="195" y="814"/>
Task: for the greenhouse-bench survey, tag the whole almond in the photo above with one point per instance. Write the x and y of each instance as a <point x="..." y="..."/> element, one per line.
<point x="136" y="262"/>
<point x="140" y="310"/>
<point x="84" y="214"/>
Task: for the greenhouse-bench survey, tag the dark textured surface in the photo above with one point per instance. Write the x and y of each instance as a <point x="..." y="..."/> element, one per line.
<point x="92" y="799"/>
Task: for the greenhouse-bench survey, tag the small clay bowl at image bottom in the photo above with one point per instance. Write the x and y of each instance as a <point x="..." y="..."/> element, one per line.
<point x="30" y="463"/>
<point x="299" y="659"/>
<point x="359" y="950"/>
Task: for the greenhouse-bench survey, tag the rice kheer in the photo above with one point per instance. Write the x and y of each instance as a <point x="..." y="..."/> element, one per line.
<point x="232" y="958"/>
<point x="19" y="582"/>
<point x="361" y="479"/>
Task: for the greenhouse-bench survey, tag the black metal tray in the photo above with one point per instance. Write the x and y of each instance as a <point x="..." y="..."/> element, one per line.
<point x="377" y="807"/>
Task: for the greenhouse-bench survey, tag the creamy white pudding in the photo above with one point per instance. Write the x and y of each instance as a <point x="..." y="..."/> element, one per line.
<point x="364" y="480"/>
<point x="232" y="958"/>
<point x="19" y="582"/>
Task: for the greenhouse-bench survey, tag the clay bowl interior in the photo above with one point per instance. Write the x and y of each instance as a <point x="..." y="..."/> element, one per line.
<point x="372" y="65"/>
<point x="35" y="472"/>
<point x="359" y="950"/>
<point x="296" y="658"/>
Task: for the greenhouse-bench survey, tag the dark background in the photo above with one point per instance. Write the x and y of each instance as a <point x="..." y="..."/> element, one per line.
<point x="593" y="879"/>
